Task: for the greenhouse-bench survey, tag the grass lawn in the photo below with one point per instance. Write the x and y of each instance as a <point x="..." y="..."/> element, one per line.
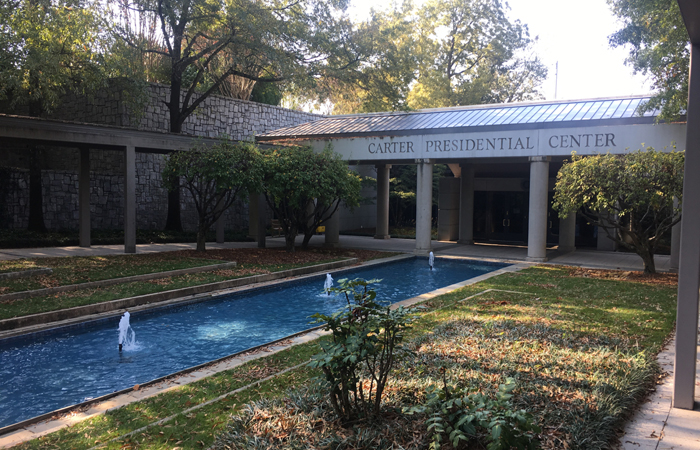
<point x="82" y="269"/>
<point x="75" y="270"/>
<point x="29" y="239"/>
<point x="580" y="350"/>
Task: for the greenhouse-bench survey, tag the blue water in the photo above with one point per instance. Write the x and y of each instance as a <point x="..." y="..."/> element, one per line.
<point x="47" y="371"/>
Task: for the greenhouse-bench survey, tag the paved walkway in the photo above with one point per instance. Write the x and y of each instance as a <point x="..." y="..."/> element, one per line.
<point x="656" y="426"/>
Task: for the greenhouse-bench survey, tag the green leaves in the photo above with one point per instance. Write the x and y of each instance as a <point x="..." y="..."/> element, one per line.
<point x="366" y="339"/>
<point x="215" y="177"/>
<point x="459" y="416"/>
<point x="654" y="33"/>
<point x="304" y="188"/>
<point x="47" y="49"/>
<point x="630" y="197"/>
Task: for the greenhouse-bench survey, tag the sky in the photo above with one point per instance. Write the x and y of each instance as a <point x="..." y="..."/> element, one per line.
<point x="574" y="34"/>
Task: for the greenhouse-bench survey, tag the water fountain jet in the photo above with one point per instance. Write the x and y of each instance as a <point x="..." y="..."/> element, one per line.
<point x="127" y="336"/>
<point x="328" y="284"/>
<point x="431" y="260"/>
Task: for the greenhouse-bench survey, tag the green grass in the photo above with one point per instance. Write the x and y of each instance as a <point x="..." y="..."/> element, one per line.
<point x="82" y="269"/>
<point x="35" y="305"/>
<point x="580" y="349"/>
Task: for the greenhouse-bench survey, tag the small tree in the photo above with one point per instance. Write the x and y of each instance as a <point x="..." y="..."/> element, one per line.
<point x="215" y="177"/>
<point x="630" y="197"/>
<point x="304" y="189"/>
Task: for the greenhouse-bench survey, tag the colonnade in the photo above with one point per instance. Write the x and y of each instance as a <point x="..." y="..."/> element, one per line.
<point x="129" y="198"/>
<point x="538" y="220"/>
<point x="537" y="216"/>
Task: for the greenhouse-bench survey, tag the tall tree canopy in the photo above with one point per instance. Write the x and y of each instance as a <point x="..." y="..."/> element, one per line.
<point x="47" y="48"/>
<point x="629" y="197"/>
<point x="206" y="42"/>
<point x="444" y="53"/>
<point x="656" y="36"/>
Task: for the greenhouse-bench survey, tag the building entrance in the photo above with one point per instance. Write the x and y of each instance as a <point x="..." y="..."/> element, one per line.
<point x="500" y="216"/>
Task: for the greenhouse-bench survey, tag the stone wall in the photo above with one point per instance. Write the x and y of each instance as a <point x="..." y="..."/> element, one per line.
<point x="217" y="116"/>
<point x="60" y="192"/>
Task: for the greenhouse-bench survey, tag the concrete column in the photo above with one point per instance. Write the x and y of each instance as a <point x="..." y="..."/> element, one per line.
<point x="383" y="202"/>
<point x="84" y="197"/>
<point x="466" y="205"/>
<point x="448" y="209"/>
<point x="333" y="230"/>
<point x="537" y="224"/>
<point x="567" y="233"/>
<point x="424" y="206"/>
<point x="675" y="243"/>
<point x="130" y="199"/>
<point x="689" y="268"/>
<point x="605" y="244"/>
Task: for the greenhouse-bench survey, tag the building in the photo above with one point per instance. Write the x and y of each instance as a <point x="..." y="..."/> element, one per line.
<point x="504" y="159"/>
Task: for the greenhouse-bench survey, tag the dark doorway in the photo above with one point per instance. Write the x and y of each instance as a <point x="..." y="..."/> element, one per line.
<point x="500" y="216"/>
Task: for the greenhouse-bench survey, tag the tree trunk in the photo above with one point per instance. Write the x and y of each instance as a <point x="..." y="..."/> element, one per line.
<point x="173" y="221"/>
<point x="305" y="243"/>
<point x="201" y="239"/>
<point x="36" y="196"/>
<point x="648" y="258"/>
<point x="289" y="238"/>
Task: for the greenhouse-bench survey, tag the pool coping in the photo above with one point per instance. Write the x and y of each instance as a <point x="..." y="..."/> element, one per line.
<point x="43" y="321"/>
<point x="55" y="420"/>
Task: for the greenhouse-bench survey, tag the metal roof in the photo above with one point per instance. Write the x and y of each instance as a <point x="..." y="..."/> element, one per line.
<point x="472" y="118"/>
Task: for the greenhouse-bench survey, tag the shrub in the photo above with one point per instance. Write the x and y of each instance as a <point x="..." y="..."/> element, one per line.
<point x="366" y="338"/>
<point x="457" y="416"/>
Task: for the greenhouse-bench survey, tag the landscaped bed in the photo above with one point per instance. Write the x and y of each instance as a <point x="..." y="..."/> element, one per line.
<point x="76" y="270"/>
<point x="580" y="351"/>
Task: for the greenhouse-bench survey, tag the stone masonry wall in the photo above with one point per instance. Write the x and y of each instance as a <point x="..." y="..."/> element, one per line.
<point x="217" y="116"/>
<point x="60" y="192"/>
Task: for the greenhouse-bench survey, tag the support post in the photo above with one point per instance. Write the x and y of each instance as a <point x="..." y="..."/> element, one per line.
<point x="424" y="206"/>
<point x="84" y="197"/>
<point x="689" y="267"/>
<point x="675" y="243"/>
<point x="537" y="222"/>
<point x="333" y="230"/>
<point x="382" y="231"/>
<point x="130" y="199"/>
<point x="466" y="205"/>
<point x="604" y="243"/>
<point x="567" y="233"/>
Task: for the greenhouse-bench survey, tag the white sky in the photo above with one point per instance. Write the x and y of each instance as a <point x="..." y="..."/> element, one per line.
<point x="574" y="33"/>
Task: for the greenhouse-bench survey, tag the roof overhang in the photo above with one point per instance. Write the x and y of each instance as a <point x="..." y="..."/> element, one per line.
<point x="690" y="10"/>
<point x="71" y="134"/>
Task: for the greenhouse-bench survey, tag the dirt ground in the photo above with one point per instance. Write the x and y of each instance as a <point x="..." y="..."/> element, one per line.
<point x="666" y="279"/>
